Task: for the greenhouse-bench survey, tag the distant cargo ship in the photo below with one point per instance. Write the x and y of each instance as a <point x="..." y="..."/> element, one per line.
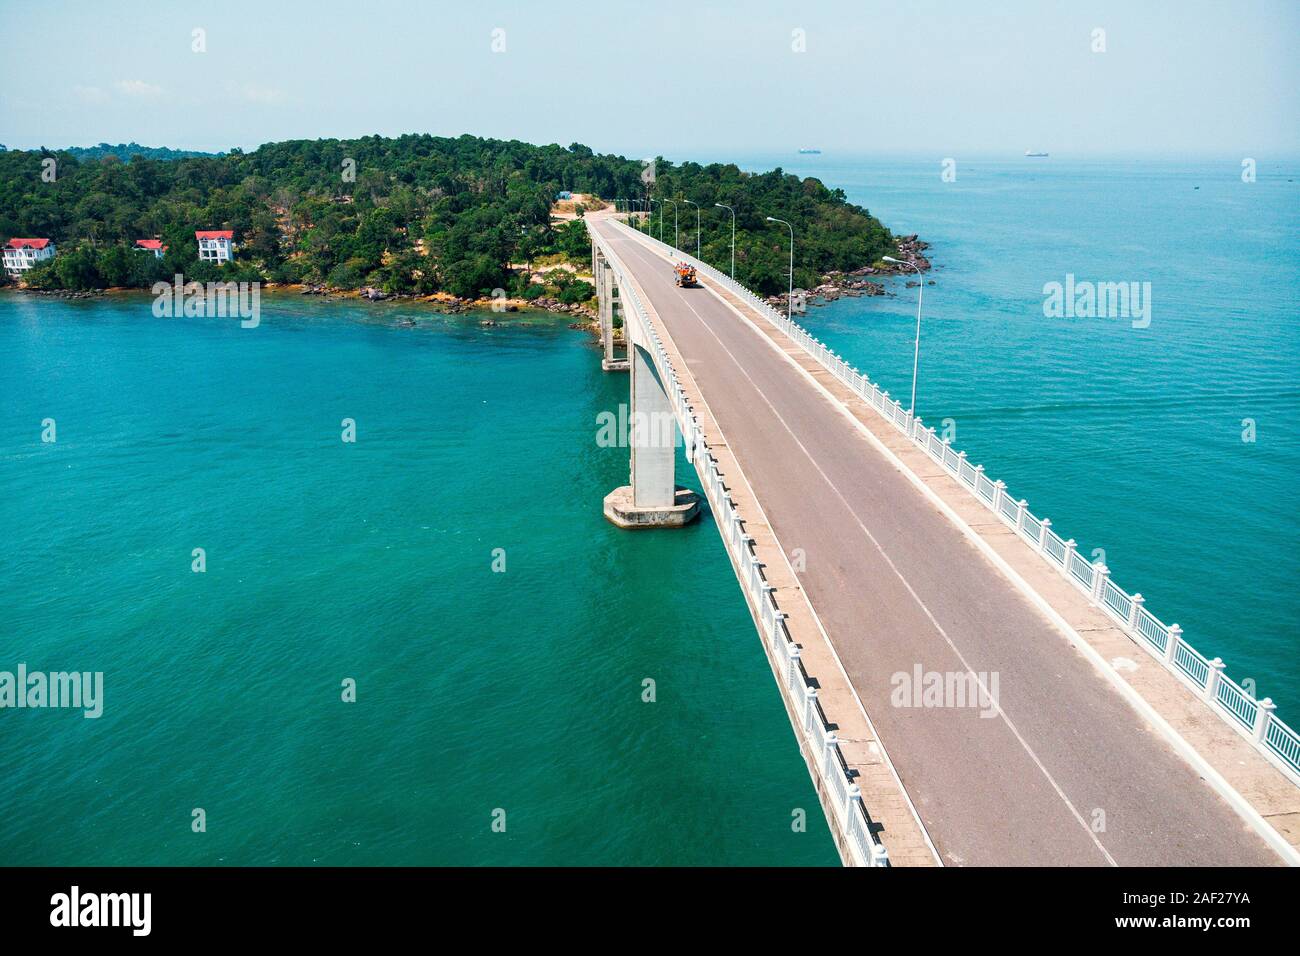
<point x="1031" y="153"/>
<point x="809" y="149"/>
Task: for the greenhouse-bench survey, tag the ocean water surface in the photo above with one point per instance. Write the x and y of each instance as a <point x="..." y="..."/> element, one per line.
<point x="477" y="691"/>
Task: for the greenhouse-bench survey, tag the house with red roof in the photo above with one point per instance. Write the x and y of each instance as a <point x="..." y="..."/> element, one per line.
<point x="215" y="245"/>
<point x="151" y="245"/>
<point x="21" y="254"/>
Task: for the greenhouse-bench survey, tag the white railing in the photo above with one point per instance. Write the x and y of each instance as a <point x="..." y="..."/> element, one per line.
<point x="1254" y="718"/>
<point x="842" y="794"/>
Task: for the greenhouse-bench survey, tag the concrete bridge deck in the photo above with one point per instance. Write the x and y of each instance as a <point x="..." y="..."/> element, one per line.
<point x="1072" y="764"/>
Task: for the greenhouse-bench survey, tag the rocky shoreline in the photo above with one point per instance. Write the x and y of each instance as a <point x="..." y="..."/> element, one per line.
<point x="836" y="285"/>
<point x="445" y="303"/>
<point x="67" y="293"/>
<point x="454" y="305"/>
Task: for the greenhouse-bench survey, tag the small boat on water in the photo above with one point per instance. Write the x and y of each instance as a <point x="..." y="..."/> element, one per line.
<point x="810" y="150"/>
<point x="1033" y="155"/>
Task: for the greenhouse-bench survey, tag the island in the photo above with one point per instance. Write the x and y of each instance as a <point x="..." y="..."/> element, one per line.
<point x="454" y="221"/>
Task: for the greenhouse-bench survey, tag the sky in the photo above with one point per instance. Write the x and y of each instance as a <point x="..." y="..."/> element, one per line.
<point x="677" y="79"/>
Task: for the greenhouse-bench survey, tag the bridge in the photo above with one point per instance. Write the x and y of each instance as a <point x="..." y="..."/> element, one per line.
<point x="965" y="688"/>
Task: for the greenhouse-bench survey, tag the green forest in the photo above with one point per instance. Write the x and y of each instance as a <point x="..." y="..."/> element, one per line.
<point x="414" y="214"/>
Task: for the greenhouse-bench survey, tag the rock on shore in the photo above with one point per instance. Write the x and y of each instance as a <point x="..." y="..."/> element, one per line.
<point x="836" y="284"/>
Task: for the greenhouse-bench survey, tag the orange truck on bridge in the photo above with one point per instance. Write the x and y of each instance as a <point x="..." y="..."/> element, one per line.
<point x="684" y="274"/>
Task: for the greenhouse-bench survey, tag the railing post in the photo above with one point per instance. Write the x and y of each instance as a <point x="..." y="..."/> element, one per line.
<point x="879" y="855"/>
<point x="1099" y="575"/>
<point x="1263" y="712"/>
<point x="1212" y="679"/>
<point x="747" y="558"/>
<point x="914" y="426"/>
<point x="1070" y="547"/>
<point x="777" y="621"/>
<point x="1021" y="507"/>
<point x="828" y="752"/>
<point x="1044" y="527"/>
<point x="853" y="797"/>
<point x="794" y="666"/>
<point x="1133" y="610"/>
<point x="979" y="473"/>
<point x="810" y="706"/>
<point x="999" y="489"/>
<point x="1171" y="644"/>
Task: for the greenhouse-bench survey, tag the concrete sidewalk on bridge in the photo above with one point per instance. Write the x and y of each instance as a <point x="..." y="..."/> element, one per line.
<point x="1244" y="769"/>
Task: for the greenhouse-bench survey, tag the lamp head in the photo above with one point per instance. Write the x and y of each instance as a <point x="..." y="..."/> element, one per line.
<point x="891" y="259"/>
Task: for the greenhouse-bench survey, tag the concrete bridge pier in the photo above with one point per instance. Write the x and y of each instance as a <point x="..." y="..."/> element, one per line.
<point x="653" y="499"/>
<point x="608" y="305"/>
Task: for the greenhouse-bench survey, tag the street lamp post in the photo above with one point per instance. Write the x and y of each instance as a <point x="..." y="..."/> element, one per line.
<point x="697" y="226"/>
<point x="789" y="300"/>
<point x="733" y="236"/>
<point x="916" y="349"/>
<point x="674" y="202"/>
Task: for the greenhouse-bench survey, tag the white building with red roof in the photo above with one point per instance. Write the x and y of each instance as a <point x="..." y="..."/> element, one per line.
<point x="151" y="245"/>
<point x="215" y="245"/>
<point x="21" y="254"/>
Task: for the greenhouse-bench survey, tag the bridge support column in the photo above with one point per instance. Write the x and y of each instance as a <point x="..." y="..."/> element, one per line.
<point x="653" y="499"/>
<point x="607" y="307"/>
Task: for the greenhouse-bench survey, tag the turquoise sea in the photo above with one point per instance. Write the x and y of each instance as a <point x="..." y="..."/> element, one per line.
<point x="521" y="691"/>
<point x="476" y="690"/>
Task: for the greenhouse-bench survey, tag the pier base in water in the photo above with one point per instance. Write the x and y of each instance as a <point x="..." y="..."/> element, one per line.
<point x="622" y="511"/>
